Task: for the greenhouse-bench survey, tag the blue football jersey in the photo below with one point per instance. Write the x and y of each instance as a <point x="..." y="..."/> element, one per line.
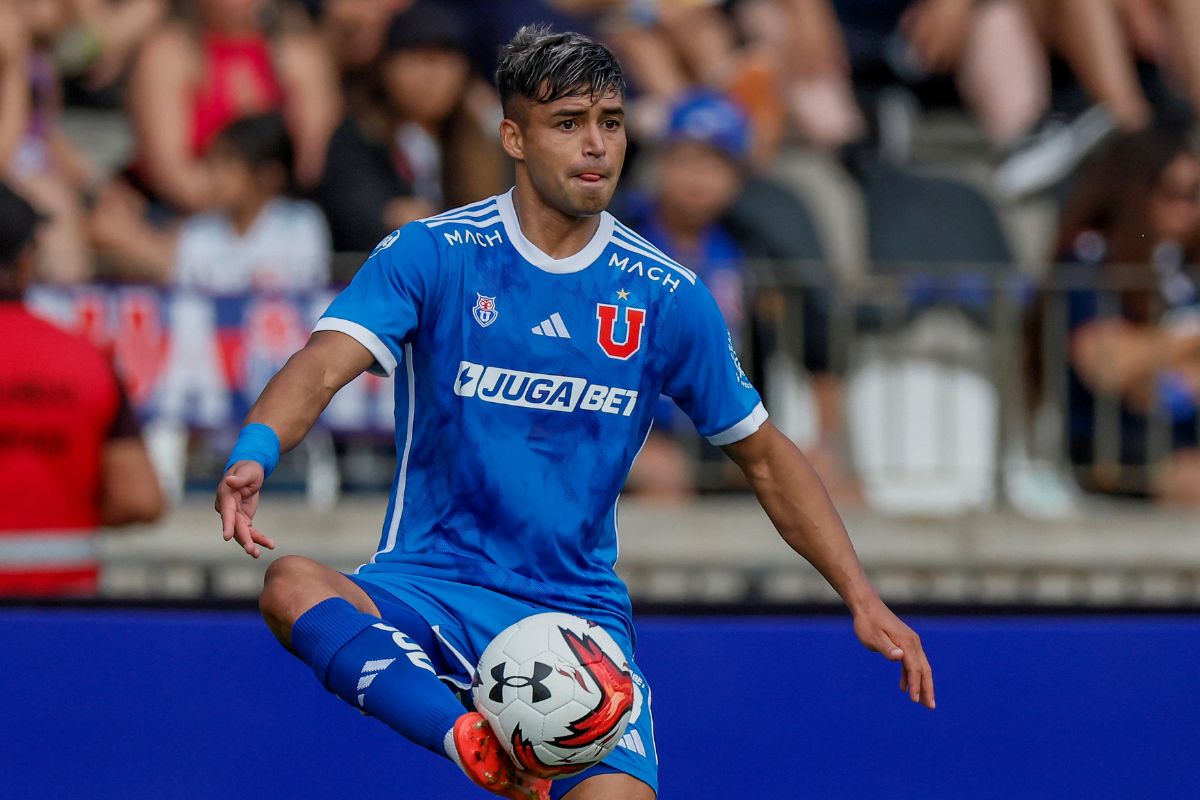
<point x="525" y="388"/>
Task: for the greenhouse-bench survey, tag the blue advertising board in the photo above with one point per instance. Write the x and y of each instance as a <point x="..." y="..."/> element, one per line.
<point x="176" y="704"/>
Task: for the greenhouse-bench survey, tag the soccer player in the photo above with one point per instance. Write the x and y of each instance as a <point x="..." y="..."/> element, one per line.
<point x="531" y="333"/>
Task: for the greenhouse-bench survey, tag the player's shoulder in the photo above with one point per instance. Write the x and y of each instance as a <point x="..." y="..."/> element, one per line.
<point x="475" y="223"/>
<point x="635" y="255"/>
<point x="427" y="243"/>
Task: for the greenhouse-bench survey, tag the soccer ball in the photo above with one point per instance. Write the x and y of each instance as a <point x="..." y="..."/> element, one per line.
<point x="557" y="691"/>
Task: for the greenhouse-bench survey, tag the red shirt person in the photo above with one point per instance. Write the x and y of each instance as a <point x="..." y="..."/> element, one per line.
<point x="71" y="454"/>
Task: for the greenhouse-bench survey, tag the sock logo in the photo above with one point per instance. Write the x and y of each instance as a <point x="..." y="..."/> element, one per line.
<point x="371" y="669"/>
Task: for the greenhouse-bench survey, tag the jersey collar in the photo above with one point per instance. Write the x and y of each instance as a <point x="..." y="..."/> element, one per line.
<point x="530" y="252"/>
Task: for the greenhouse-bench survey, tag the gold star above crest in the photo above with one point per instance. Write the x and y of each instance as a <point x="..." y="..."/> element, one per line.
<point x="622" y="294"/>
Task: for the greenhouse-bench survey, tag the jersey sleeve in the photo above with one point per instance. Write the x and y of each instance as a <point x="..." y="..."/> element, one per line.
<point x="703" y="374"/>
<point x="382" y="306"/>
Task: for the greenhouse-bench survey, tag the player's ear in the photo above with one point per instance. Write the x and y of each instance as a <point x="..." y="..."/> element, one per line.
<point x="512" y="139"/>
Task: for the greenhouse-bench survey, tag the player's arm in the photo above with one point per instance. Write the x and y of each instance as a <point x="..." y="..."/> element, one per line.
<point x="365" y="327"/>
<point x="288" y="407"/>
<point x="796" y="502"/>
<point x="292" y="401"/>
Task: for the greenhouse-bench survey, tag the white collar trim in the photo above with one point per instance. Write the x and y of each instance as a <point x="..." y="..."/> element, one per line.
<point x="530" y="252"/>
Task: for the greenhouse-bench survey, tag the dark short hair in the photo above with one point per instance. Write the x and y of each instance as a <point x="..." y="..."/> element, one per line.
<point x="258" y="140"/>
<point x="544" y="66"/>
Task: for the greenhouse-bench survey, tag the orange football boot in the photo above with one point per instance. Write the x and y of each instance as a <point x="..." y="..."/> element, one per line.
<point x="485" y="762"/>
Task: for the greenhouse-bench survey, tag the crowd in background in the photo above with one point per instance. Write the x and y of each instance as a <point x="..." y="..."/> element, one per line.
<point x="267" y="135"/>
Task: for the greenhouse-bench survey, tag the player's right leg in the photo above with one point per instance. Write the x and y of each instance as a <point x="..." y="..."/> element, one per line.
<point x="382" y="662"/>
<point x="383" y="668"/>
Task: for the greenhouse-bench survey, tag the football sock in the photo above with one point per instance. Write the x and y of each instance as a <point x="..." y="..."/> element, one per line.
<point x="376" y="667"/>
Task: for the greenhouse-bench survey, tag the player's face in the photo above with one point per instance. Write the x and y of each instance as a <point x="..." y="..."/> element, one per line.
<point x="573" y="150"/>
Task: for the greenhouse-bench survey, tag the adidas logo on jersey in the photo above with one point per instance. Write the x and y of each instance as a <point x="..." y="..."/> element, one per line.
<point x="552" y="327"/>
<point x="512" y="387"/>
<point x="633" y="741"/>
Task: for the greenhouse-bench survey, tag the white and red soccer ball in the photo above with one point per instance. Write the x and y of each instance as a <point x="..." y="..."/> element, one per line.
<point x="557" y="691"/>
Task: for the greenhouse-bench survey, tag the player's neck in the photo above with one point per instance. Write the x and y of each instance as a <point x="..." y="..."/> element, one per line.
<point x="549" y="230"/>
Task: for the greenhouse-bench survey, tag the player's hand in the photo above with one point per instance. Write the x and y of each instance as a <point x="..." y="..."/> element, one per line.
<point x="882" y="631"/>
<point x="237" y="500"/>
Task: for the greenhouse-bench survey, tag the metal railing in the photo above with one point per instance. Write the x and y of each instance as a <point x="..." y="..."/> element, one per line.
<point x="926" y="359"/>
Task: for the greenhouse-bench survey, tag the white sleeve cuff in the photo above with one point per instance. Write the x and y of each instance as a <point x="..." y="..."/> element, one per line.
<point x="741" y="430"/>
<point x="384" y="358"/>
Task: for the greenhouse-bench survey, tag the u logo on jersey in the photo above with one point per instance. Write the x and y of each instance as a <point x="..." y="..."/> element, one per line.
<point x="635" y="320"/>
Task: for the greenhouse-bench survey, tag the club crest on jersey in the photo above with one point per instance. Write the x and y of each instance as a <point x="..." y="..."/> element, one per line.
<point x="485" y="310"/>
<point x="387" y="242"/>
<point x="606" y="337"/>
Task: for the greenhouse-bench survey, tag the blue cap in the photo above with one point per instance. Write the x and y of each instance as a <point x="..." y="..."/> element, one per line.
<point x="710" y="118"/>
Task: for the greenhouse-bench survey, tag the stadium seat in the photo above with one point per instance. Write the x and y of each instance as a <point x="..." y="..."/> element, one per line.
<point x="923" y="420"/>
<point x="923" y="409"/>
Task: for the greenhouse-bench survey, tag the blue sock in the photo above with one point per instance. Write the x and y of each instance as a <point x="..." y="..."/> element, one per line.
<point x="376" y="667"/>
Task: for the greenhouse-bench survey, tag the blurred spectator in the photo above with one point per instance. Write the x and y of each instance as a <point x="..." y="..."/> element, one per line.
<point x="35" y="154"/>
<point x="1090" y="36"/>
<point x="226" y="59"/>
<point x="702" y="173"/>
<point x="71" y="455"/>
<point x="254" y="239"/>
<point x="1103" y="41"/>
<point x="826" y="47"/>
<point x="354" y="32"/>
<point x="493" y="24"/>
<point x="98" y="46"/>
<point x="671" y="47"/>
<point x="1128" y="234"/>
<point x="430" y="144"/>
<point x="14" y="80"/>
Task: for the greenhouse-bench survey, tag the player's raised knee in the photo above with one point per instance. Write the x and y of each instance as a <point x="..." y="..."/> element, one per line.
<point x="291" y="586"/>
<point x="288" y="569"/>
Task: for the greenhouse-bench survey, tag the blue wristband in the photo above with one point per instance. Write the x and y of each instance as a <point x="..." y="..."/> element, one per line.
<point x="256" y="442"/>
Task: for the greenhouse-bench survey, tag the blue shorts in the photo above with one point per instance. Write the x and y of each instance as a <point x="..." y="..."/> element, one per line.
<point x="464" y="619"/>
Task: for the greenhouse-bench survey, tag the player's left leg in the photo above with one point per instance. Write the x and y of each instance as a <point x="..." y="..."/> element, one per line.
<point x="629" y="772"/>
<point x="613" y="786"/>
